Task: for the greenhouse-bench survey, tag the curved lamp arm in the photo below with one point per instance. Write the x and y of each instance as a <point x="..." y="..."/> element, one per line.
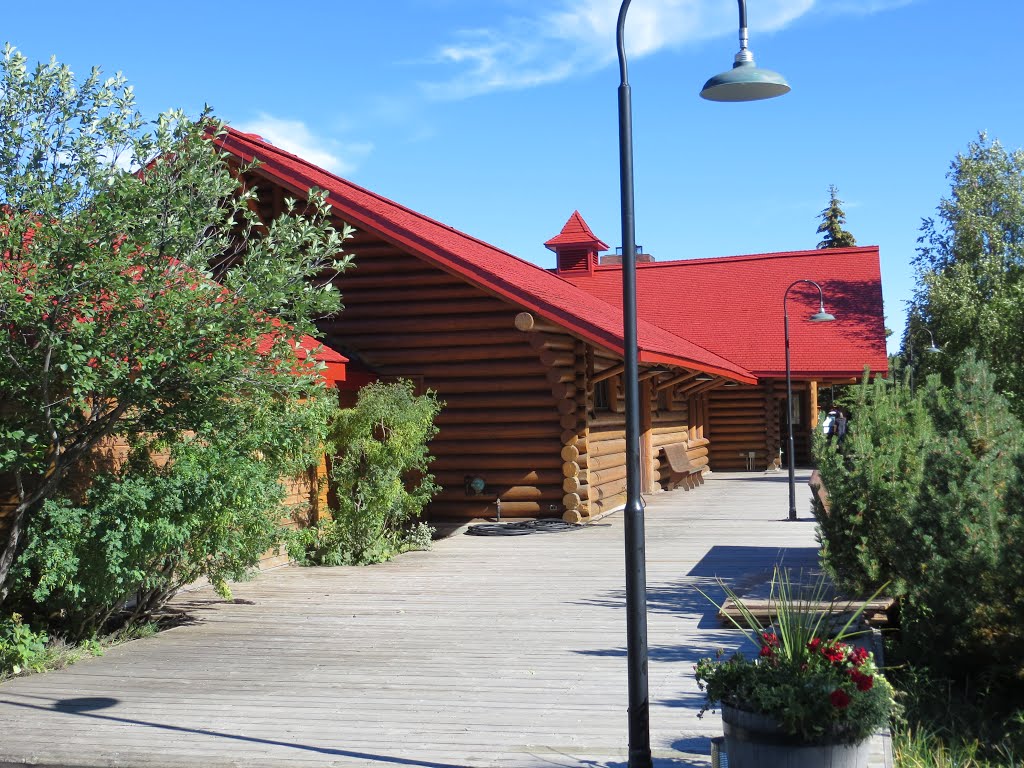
<point x="821" y="316"/>
<point x="915" y="332"/>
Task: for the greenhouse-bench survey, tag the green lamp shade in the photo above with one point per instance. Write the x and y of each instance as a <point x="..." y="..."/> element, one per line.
<point x="745" y="82"/>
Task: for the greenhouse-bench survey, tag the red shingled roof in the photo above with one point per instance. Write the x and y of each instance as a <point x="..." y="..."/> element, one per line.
<point x="733" y="306"/>
<point x="334" y="362"/>
<point x="490" y="268"/>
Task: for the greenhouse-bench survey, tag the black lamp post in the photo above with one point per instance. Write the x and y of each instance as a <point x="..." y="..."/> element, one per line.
<point x="821" y="316"/>
<point x="744" y="82"/>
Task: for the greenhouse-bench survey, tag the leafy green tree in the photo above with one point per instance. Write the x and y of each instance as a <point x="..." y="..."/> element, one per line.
<point x="379" y="478"/>
<point x="111" y="232"/>
<point x="970" y="268"/>
<point x="832" y="220"/>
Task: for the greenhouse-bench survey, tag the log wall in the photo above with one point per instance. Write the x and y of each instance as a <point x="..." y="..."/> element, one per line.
<point x="606" y="461"/>
<point x="747" y="419"/>
<point x="671" y="424"/>
<point x="501" y="420"/>
<point x="738" y="424"/>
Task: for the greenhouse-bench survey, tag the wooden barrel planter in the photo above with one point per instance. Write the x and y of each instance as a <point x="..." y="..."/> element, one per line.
<point x="756" y="741"/>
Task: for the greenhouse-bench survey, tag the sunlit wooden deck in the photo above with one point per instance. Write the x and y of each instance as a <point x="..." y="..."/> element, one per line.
<point x="484" y="652"/>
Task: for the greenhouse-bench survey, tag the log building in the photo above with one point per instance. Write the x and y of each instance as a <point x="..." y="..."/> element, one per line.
<point x="529" y="361"/>
<point x="733" y="306"/>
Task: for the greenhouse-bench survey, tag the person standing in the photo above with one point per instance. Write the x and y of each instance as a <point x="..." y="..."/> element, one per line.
<point x="839" y="426"/>
<point x="829" y="422"/>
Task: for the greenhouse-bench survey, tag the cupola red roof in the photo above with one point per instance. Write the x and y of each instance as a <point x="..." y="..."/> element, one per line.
<point x="577" y="233"/>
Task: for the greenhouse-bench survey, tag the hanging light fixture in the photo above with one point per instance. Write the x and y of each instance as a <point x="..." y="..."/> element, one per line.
<point x="745" y="81"/>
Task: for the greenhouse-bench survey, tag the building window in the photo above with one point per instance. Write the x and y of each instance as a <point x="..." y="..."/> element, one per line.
<point x="601" y="401"/>
<point x="666" y="399"/>
<point x="794" y="408"/>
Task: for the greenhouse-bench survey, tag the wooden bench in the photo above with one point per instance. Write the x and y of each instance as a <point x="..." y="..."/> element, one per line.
<point x="685" y="463"/>
<point x="875" y="613"/>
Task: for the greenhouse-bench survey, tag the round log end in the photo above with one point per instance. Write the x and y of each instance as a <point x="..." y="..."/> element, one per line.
<point x="570" y="453"/>
<point x="525" y="321"/>
<point x="572" y="516"/>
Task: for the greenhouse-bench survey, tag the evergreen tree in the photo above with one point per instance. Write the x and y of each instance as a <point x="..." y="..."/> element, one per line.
<point x="832" y="220"/>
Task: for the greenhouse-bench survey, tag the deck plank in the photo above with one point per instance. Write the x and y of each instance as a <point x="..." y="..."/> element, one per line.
<point x="483" y="652"/>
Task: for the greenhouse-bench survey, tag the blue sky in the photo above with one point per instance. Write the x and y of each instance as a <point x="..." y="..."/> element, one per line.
<point x="498" y="117"/>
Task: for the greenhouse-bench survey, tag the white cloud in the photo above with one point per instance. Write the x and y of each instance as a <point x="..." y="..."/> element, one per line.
<point x="295" y="137"/>
<point x="579" y="37"/>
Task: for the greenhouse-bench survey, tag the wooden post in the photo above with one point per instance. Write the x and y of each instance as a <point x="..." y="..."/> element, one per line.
<point x="813" y="399"/>
<point x="771" y="419"/>
<point x="645" y="435"/>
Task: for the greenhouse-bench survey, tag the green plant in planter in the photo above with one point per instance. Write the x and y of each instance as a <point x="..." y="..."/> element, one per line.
<point x="807" y="681"/>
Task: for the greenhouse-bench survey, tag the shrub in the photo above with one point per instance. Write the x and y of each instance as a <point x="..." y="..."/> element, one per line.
<point x="964" y="560"/>
<point x="927" y="493"/>
<point x="143" y="532"/>
<point x="873" y="480"/>
<point x="20" y="647"/>
<point x="379" y="478"/>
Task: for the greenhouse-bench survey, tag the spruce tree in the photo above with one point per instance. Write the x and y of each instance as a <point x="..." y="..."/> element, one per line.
<point x="832" y="220"/>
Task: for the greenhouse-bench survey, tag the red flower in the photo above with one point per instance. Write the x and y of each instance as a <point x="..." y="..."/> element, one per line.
<point x="840" y="699"/>
<point x="770" y="638"/>
<point x="834" y="652"/>
<point x="814" y="644"/>
<point x="766" y="651"/>
<point x="858" y="656"/>
<point x="862" y="681"/>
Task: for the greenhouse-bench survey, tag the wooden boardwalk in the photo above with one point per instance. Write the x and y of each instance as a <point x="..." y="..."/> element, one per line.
<point x="485" y="651"/>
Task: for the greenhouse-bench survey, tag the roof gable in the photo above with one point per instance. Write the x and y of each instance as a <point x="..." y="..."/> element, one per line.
<point x="487" y="267"/>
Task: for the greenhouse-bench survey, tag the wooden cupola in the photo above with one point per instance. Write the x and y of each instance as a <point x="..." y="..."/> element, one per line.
<point x="576" y="246"/>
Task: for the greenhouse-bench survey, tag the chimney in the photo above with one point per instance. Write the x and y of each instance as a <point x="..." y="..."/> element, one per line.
<point x="576" y="247"/>
<point x="611" y="259"/>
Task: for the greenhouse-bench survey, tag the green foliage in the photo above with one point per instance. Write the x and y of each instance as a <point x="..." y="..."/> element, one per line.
<point x="143" y="532"/>
<point x="944" y="725"/>
<point x="970" y="269"/>
<point x="873" y="482"/>
<point x="20" y="647"/>
<point x="379" y="478"/>
<point x="135" y="302"/>
<point x="968" y="596"/>
<point x="832" y="220"/>
<point x="943" y="525"/>
<point x="805" y="677"/>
